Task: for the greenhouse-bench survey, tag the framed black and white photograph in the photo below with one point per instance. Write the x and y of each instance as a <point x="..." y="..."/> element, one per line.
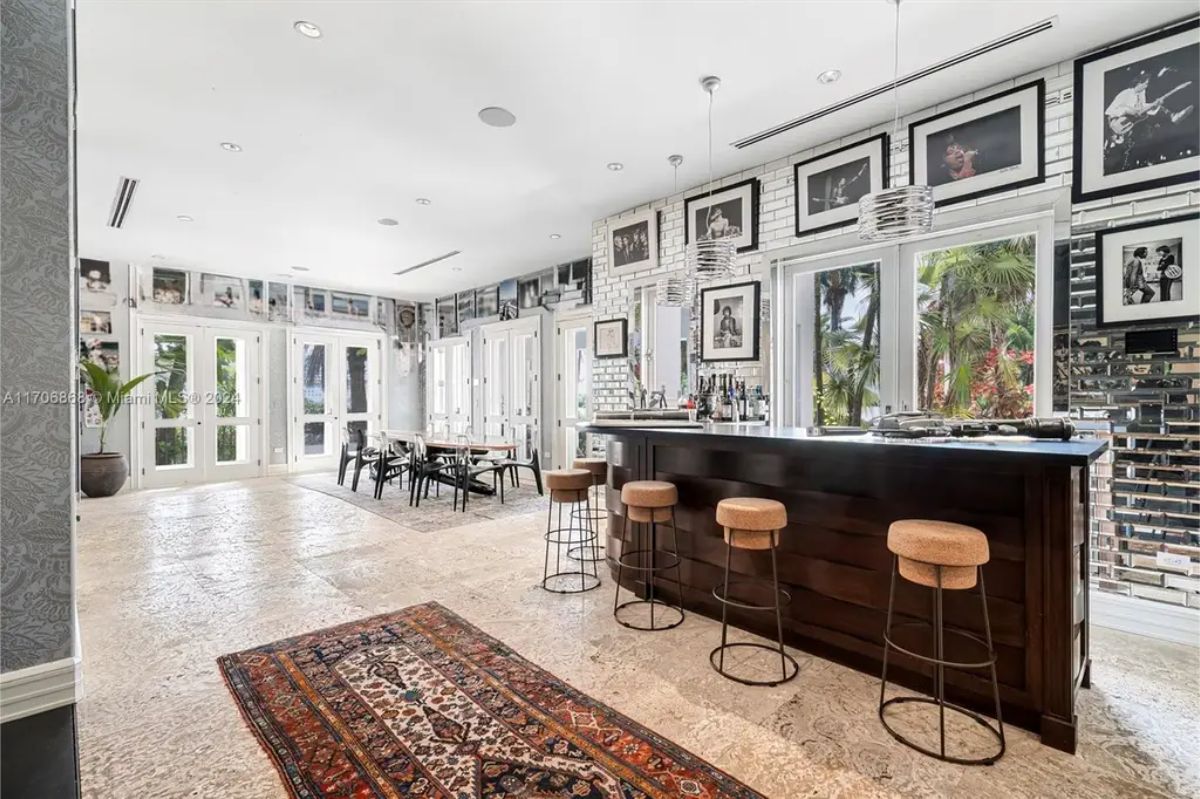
<point x="169" y="286"/>
<point x="727" y="213"/>
<point x="310" y="302"/>
<point x="277" y="301"/>
<point x="632" y="243"/>
<point x="447" y="316"/>
<point x="406" y="322"/>
<point x="465" y="306"/>
<point x="221" y="291"/>
<point x="355" y="306"/>
<point x="255" y="290"/>
<point x="487" y="302"/>
<point x="729" y="322"/>
<point x="95" y="322"/>
<point x="507" y="297"/>
<point x="530" y="293"/>
<point x="1148" y="272"/>
<point x="829" y="186"/>
<point x="1136" y="123"/>
<point x="610" y="339"/>
<point x="96" y="275"/>
<point x="991" y="145"/>
<point x="105" y="354"/>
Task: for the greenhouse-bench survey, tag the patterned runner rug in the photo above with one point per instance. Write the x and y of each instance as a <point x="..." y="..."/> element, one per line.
<point x="420" y="703"/>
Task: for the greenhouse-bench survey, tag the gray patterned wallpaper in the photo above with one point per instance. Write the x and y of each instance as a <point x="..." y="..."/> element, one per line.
<point x="37" y="335"/>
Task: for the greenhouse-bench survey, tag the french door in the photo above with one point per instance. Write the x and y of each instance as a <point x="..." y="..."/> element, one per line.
<point x="448" y="387"/>
<point x="338" y="392"/>
<point x="205" y="421"/>
<point x="512" y="386"/>
<point x="958" y="323"/>
<point x="572" y="389"/>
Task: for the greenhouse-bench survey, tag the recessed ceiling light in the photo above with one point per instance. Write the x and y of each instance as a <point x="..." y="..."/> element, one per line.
<point x="456" y="269"/>
<point x="616" y="166"/>
<point x="299" y="268"/>
<point x="307" y="29"/>
<point x="157" y="257"/>
<point x="829" y="76"/>
<point x="185" y="218"/>
<point x="423" y="201"/>
<point x="497" y="117"/>
<point x="230" y="147"/>
<point x="556" y="236"/>
<point x="388" y="222"/>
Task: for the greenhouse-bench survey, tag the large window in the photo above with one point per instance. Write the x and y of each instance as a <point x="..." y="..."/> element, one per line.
<point x="955" y="323"/>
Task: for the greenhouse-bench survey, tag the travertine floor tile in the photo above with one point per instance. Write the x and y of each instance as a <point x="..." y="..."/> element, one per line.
<point x="169" y="580"/>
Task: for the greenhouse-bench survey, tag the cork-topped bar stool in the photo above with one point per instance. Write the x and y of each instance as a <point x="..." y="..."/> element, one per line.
<point x="752" y="523"/>
<point x="598" y="467"/>
<point x="941" y="556"/>
<point x="649" y="503"/>
<point x="569" y="487"/>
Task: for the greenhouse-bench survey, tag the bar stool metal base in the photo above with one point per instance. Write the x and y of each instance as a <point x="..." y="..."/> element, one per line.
<point x="568" y="537"/>
<point x="631" y="560"/>
<point x="940" y="664"/>
<point x="593" y="515"/>
<point x="718" y="663"/>
<point x="928" y="700"/>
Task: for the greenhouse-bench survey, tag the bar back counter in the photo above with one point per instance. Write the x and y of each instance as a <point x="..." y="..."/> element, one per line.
<point x="841" y="493"/>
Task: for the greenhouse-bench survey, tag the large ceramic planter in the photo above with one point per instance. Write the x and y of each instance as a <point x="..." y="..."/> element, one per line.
<point x="102" y="474"/>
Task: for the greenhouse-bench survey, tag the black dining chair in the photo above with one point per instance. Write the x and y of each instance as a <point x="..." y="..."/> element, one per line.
<point x="468" y="467"/>
<point x="347" y="455"/>
<point x="363" y="456"/>
<point x="426" y="466"/>
<point x="533" y="464"/>
<point x="392" y="460"/>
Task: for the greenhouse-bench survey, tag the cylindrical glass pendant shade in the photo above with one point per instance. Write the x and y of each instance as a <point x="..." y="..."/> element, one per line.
<point x="896" y="212"/>
<point x="712" y="259"/>
<point x="676" y="291"/>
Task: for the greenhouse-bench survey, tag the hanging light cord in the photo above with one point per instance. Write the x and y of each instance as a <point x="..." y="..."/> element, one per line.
<point x="895" y="74"/>
<point x="710" y="166"/>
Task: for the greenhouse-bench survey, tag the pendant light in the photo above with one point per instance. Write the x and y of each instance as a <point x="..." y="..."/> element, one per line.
<point x="711" y="259"/>
<point x="902" y="210"/>
<point x="675" y="290"/>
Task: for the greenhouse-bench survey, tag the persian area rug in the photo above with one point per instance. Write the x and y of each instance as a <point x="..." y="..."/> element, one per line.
<point x="420" y="703"/>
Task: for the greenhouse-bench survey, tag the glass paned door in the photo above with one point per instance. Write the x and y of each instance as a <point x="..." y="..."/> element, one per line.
<point x="170" y="434"/>
<point x="231" y="414"/>
<point x="573" y="391"/>
<point x="449" y="387"/>
<point x="361" y="388"/>
<point x="316" y="438"/>
<point x="512" y="385"/>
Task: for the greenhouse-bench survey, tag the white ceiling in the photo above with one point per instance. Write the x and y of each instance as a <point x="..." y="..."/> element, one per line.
<point x="340" y="131"/>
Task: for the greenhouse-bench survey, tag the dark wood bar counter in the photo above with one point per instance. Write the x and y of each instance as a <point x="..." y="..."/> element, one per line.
<point x="841" y="493"/>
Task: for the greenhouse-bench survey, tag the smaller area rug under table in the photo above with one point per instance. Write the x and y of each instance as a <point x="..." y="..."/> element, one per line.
<point x="420" y="703"/>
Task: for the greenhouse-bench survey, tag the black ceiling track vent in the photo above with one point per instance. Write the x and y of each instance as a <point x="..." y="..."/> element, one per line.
<point x="995" y="44"/>
<point x="120" y="206"/>
<point x="431" y="261"/>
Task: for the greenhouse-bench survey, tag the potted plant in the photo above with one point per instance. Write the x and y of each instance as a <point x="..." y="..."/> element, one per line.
<point x="101" y="473"/>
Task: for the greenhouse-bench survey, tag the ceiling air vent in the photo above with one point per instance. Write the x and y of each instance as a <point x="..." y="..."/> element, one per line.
<point x="983" y="49"/>
<point x="120" y="206"/>
<point x="430" y="262"/>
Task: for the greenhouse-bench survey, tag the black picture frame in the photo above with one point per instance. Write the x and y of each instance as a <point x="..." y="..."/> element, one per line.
<point x="1101" y="235"/>
<point x="756" y="325"/>
<point x="1038" y="89"/>
<point x="624" y="326"/>
<point x="1080" y="193"/>
<point x="752" y="213"/>
<point x="883" y="141"/>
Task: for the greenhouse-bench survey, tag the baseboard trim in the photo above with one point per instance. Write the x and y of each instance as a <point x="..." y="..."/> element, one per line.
<point x="1145" y="617"/>
<point x="46" y="686"/>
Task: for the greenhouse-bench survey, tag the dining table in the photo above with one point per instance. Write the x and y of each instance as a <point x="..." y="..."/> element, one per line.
<point x="439" y="446"/>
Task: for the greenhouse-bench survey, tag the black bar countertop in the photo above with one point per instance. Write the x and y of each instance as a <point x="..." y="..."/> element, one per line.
<point x="1077" y="451"/>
